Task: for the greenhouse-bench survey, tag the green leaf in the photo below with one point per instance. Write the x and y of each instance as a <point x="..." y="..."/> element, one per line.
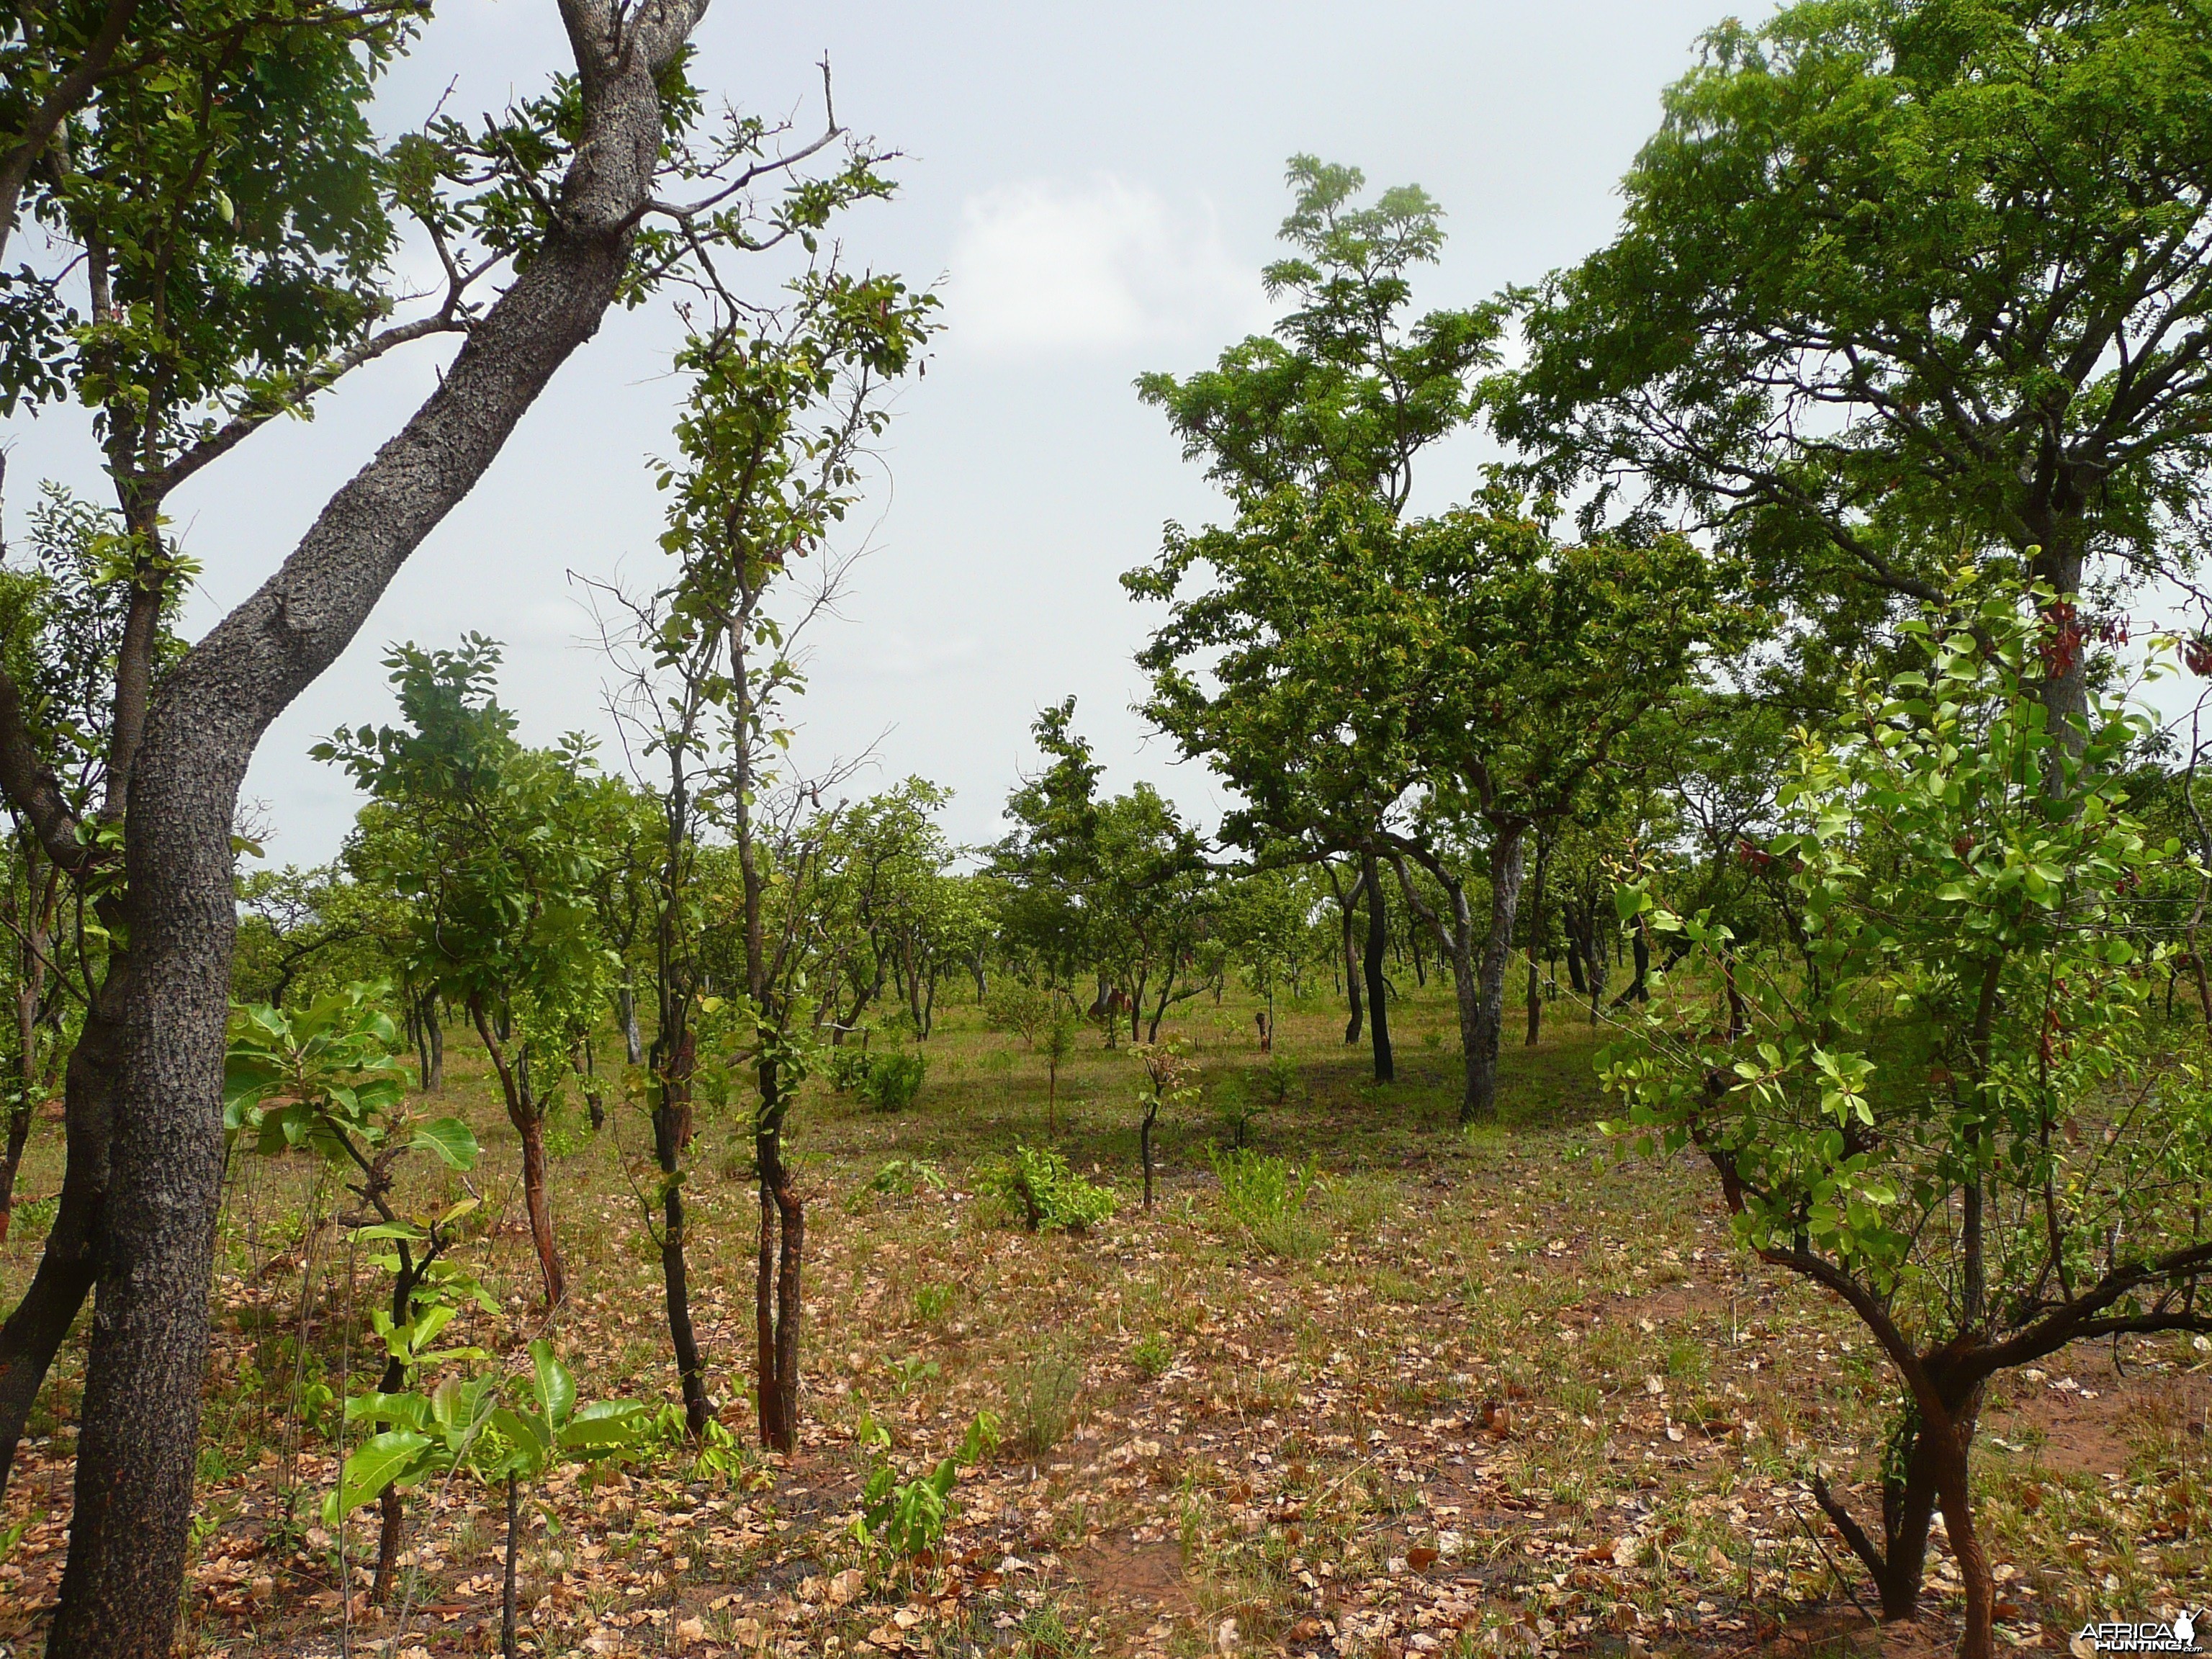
<point x="451" y="1139"/>
<point x="556" y="1389"/>
<point x="374" y="1464"/>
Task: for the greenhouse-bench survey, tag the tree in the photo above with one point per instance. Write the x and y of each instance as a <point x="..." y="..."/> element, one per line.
<point x="1449" y="685"/>
<point x="1338" y="403"/>
<point x="782" y="403"/>
<point x="567" y="189"/>
<point x="1948" y="1101"/>
<point x="1901" y="280"/>
<point x="486" y="841"/>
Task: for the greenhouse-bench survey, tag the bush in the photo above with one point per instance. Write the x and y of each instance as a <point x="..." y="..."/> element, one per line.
<point x="1042" y="1401"/>
<point x="847" y="1067"/>
<point x="894" y="1078"/>
<point x="1044" y="1193"/>
<point x="1280" y="1077"/>
<point x="1017" y="1009"/>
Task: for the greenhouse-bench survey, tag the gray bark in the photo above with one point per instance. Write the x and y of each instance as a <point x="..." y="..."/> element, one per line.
<point x="156" y="1231"/>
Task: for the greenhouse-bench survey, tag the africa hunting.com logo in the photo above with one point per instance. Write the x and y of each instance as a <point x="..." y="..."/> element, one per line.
<point x="2149" y="1637"/>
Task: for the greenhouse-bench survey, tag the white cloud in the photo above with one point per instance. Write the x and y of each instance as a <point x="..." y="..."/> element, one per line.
<point x="1042" y="267"/>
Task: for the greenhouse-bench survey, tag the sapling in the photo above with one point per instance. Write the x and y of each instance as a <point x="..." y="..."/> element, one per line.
<point x="325" y="1080"/>
<point x="1170" y="1080"/>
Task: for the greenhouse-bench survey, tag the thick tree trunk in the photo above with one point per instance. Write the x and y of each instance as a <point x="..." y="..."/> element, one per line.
<point x="1508" y="857"/>
<point x="155" y="1230"/>
<point x="1378" y="942"/>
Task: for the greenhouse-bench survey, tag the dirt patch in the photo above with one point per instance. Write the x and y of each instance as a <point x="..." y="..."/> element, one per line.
<point x="1144" y="1578"/>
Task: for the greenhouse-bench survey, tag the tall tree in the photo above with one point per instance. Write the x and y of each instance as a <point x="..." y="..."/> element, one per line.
<point x="1342" y="398"/>
<point x="1900" y="279"/>
<point x="567" y="188"/>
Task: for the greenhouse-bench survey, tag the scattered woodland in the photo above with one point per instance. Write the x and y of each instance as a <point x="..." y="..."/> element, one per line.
<point x="1672" y="1115"/>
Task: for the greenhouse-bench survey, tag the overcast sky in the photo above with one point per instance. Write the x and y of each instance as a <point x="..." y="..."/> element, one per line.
<point x="1094" y="189"/>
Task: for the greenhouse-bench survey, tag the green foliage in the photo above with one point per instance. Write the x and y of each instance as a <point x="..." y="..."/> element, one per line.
<point x="1152" y="1354"/>
<point x="894" y="1079"/>
<point x="1021" y="1009"/>
<point x="845" y="1066"/>
<point x="1278" y="1077"/>
<point x="1232" y="1099"/>
<point x="1966" y="988"/>
<point x="481" y="1424"/>
<point x="1265" y="1199"/>
<point x="906" y="1518"/>
<point x="1043" y="1194"/>
<point x="322" y="1079"/>
<point x="1971" y="237"/>
<point x="907" y="1175"/>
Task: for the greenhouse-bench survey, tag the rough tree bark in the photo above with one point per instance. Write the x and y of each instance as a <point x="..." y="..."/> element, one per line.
<point x="155" y="1232"/>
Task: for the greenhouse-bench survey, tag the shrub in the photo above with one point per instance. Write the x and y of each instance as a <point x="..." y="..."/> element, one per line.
<point x="1042" y="1401"/>
<point x="1018" y="1009"/>
<point x="894" y="1078"/>
<point x="847" y="1067"/>
<point x="1280" y="1077"/>
<point x="1044" y="1193"/>
<point x="906" y="1518"/>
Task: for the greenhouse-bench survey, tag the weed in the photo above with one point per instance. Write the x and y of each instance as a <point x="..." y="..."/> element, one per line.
<point x="932" y="1302"/>
<point x="1042" y="1402"/>
<point x="1152" y="1354"/>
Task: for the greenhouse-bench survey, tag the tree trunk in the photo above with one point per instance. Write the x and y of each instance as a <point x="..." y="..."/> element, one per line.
<point x="1378" y="940"/>
<point x="530" y="1124"/>
<point x="155" y="1230"/>
<point x="1508" y="856"/>
<point x="626" y="1006"/>
<point x="1536" y="942"/>
<point x="434" y="1047"/>
<point x="672" y="1133"/>
<point x="776" y="1303"/>
<point x="507" y="1589"/>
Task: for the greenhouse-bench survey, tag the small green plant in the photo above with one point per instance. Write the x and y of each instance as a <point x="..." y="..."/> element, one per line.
<point x="1044" y="1193"/>
<point x="905" y="1176"/>
<point x="1152" y="1354"/>
<point x="1232" y="1097"/>
<point x="906" y="1518"/>
<point x="1279" y="1079"/>
<point x="909" y="1373"/>
<point x="1266" y="1198"/>
<point x="893" y="1079"/>
<point x="932" y="1302"/>
<point x="1041" y="1400"/>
